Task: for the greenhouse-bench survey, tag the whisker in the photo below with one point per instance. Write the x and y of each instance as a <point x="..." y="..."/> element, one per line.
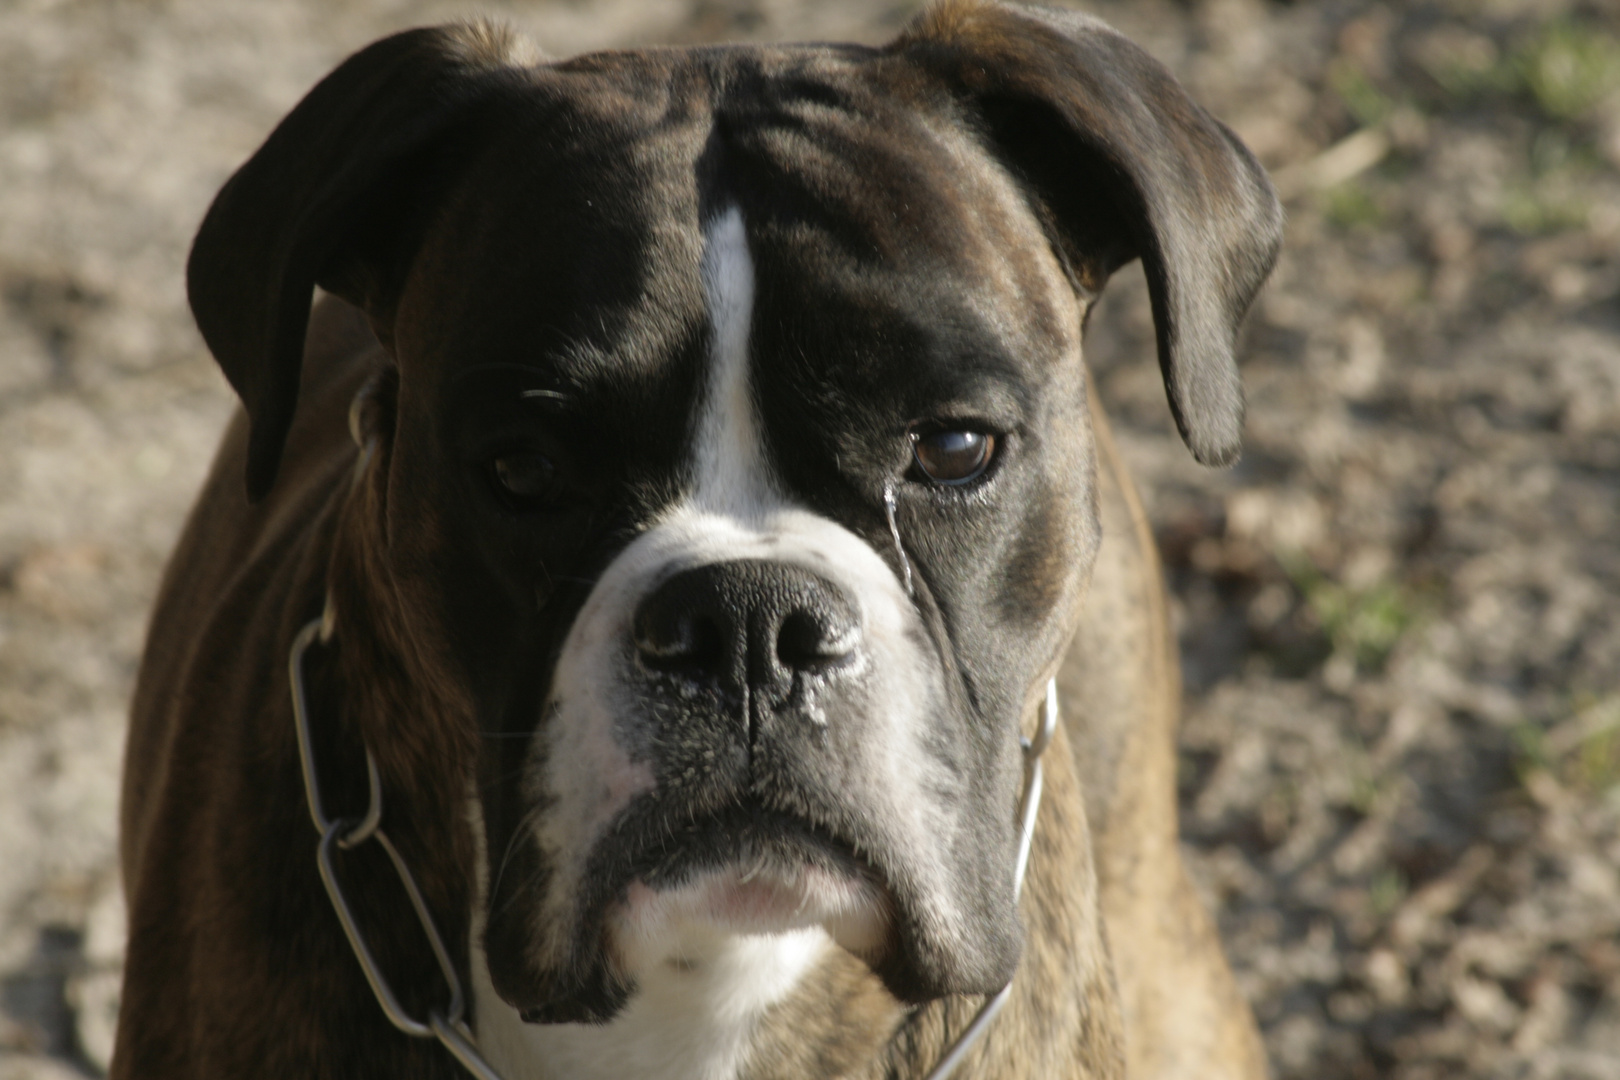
<point x="511" y="845"/>
<point x="502" y="778"/>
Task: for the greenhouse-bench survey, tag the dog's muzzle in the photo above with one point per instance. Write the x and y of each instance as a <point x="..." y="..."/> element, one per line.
<point x="448" y="1026"/>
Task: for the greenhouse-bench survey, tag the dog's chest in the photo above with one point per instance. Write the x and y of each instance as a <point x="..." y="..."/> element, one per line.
<point x="692" y="1019"/>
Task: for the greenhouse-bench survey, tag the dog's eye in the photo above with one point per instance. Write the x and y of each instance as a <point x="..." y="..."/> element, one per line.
<point x="525" y="477"/>
<point x="953" y="457"/>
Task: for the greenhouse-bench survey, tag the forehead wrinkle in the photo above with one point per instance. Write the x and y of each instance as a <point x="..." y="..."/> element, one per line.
<point x="937" y="205"/>
<point x="1011" y="254"/>
<point x="637" y="199"/>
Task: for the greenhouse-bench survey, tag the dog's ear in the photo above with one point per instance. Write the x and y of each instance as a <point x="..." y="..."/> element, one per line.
<point x="319" y="202"/>
<point x="1122" y="164"/>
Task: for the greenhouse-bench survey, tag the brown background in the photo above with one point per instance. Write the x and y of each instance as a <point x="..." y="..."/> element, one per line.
<point x="1401" y="760"/>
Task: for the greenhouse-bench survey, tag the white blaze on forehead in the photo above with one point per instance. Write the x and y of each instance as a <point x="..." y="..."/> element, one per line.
<point x="728" y="466"/>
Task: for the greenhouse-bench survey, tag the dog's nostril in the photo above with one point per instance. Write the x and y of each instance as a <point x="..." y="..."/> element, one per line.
<point x="805" y="641"/>
<point x="672" y="638"/>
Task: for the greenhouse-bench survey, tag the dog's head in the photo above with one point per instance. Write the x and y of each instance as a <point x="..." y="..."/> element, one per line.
<point x="737" y="462"/>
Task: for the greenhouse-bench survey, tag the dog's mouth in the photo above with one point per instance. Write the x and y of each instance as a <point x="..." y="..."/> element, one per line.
<point x="665" y="894"/>
<point x="744" y="870"/>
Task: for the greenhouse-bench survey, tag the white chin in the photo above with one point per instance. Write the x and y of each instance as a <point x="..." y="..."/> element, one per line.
<point x="655" y="926"/>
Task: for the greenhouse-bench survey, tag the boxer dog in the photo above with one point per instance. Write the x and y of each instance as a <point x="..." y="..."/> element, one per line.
<point x="693" y="473"/>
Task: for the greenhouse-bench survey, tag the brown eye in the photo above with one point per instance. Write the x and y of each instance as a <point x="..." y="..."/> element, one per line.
<point x="524" y="476"/>
<point x="953" y="457"/>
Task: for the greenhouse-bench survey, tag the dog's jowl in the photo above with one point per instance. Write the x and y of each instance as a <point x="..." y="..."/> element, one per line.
<point x="675" y="506"/>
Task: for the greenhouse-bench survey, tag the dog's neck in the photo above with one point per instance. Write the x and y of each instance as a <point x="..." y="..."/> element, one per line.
<point x="693" y="1017"/>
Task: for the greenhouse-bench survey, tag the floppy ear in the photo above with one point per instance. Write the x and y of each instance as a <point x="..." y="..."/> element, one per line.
<point x="312" y="206"/>
<point x="1122" y="164"/>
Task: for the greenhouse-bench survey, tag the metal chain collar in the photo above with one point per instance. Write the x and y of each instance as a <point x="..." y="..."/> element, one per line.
<point x="449" y="1026"/>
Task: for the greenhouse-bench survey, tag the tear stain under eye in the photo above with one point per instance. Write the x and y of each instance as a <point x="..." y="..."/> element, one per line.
<point x="894" y="531"/>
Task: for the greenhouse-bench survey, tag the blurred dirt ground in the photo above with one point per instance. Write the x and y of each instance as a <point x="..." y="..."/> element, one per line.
<point x="1400" y="614"/>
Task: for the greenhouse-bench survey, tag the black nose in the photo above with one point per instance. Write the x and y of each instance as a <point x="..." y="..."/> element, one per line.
<point x="747" y="624"/>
